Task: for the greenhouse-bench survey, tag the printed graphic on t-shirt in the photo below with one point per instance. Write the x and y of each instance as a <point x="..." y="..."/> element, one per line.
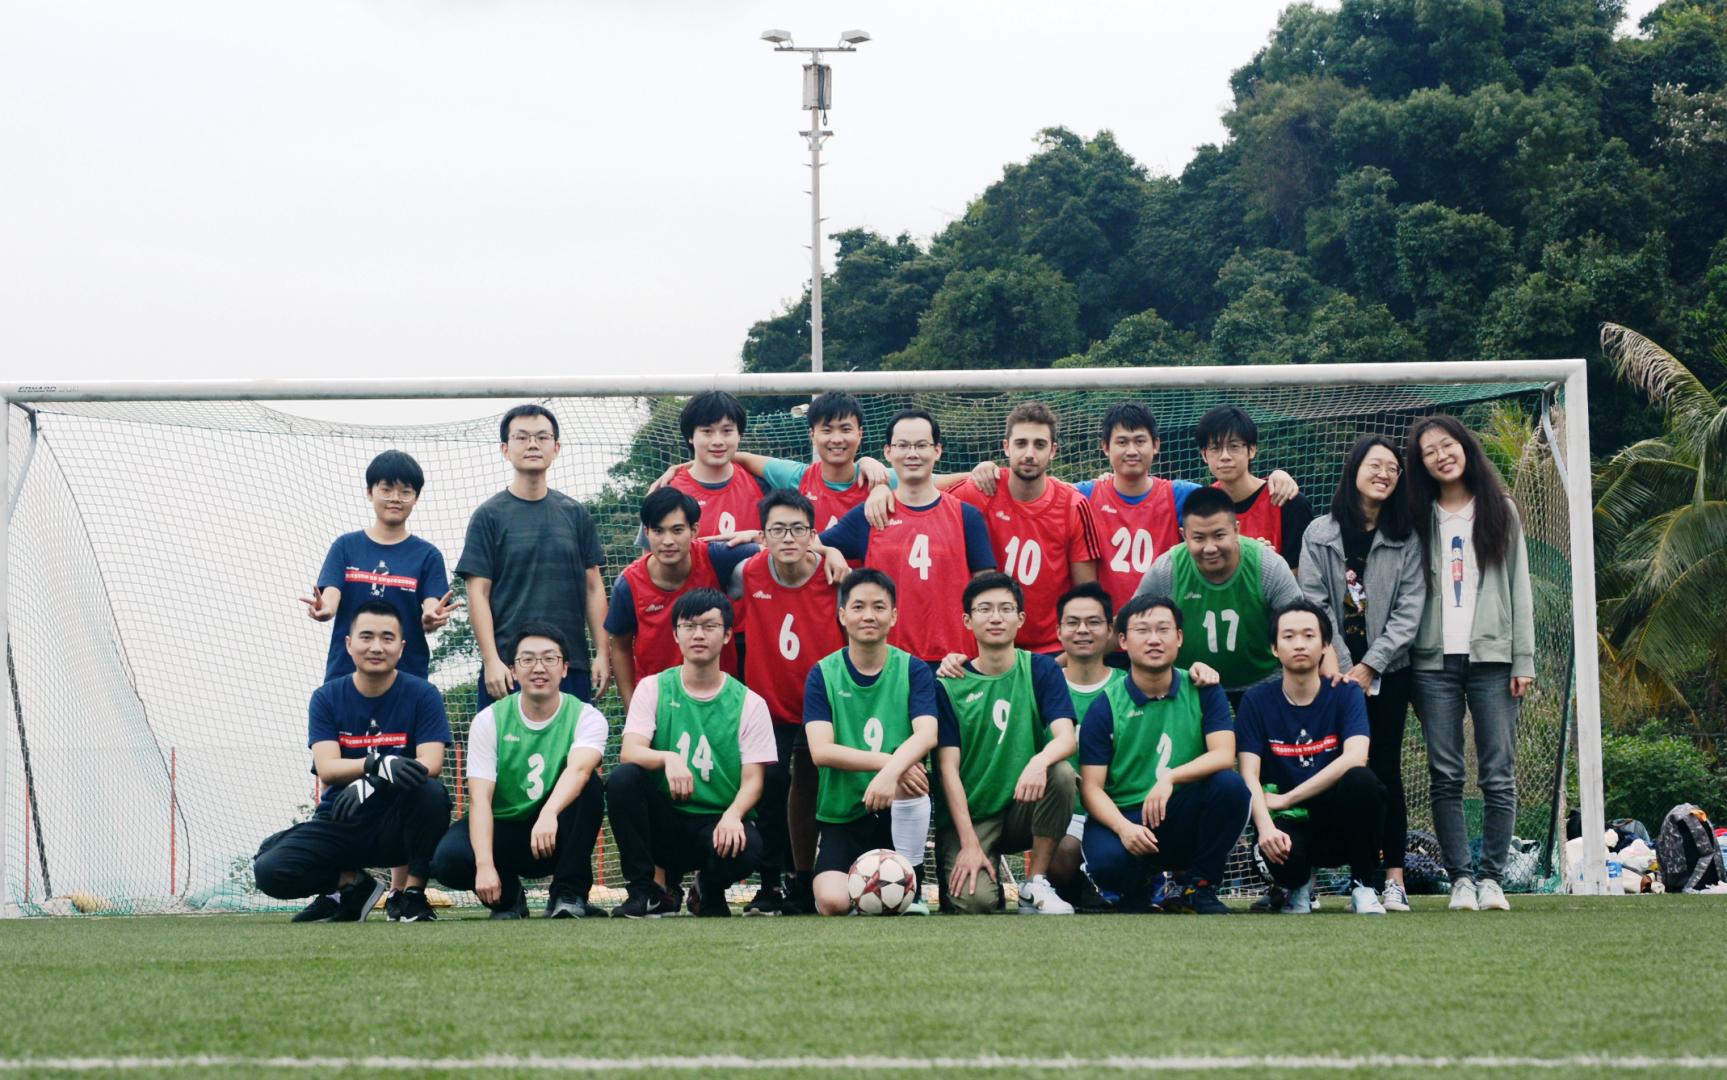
<point x="1305" y="748"/>
<point x="380" y="578"/>
<point x="1457" y="571"/>
<point x="1354" y="604"/>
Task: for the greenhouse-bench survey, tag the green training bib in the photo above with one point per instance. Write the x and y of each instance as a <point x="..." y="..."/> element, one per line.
<point x="1082" y="700"/>
<point x="529" y="761"/>
<point x="1000" y="731"/>
<point x="1224" y="625"/>
<point x="705" y="735"/>
<point x="1151" y="739"/>
<point x="876" y="717"/>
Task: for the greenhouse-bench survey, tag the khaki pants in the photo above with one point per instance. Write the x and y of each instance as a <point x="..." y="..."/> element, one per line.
<point x="1005" y="833"/>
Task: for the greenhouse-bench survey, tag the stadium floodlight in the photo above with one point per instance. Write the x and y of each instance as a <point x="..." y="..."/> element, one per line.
<point x="818" y="98"/>
<point x="118" y="579"/>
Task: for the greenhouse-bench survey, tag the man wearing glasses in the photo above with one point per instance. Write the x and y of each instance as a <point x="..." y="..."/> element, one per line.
<point x="532" y="554"/>
<point x="536" y="804"/>
<point x="1228" y="441"/>
<point x="696" y="744"/>
<point x="1004" y="732"/>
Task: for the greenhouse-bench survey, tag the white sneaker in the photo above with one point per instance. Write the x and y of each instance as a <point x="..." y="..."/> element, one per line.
<point x="1363" y="901"/>
<point x="1395" y="897"/>
<point x="1313" y="889"/>
<point x="1463" y="895"/>
<point x="1490" y="896"/>
<point x="1037" y="897"/>
<point x="1299" y="901"/>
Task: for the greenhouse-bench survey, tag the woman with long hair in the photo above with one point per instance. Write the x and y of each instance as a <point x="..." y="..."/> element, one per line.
<point x="1361" y="563"/>
<point x="1475" y="648"/>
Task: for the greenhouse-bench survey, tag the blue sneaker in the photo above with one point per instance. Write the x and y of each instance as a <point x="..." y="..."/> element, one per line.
<point x="1165" y="892"/>
<point x="1299" y="901"/>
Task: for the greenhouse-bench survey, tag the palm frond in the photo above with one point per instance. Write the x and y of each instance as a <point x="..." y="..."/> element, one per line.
<point x="1663" y="551"/>
<point x="1662" y="377"/>
<point x="1684" y="628"/>
<point x="1643" y="489"/>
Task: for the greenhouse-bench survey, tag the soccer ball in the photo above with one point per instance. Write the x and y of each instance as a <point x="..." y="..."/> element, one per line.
<point x="882" y="883"/>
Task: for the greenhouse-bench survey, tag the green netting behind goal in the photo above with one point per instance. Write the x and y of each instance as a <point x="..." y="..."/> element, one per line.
<point x="161" y="663"/>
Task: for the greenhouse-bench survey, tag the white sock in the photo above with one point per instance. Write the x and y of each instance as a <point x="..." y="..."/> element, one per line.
<point x="911" y="827"/>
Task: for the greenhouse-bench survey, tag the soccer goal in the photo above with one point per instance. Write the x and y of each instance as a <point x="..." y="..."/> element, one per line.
<point x="159" y="534"/>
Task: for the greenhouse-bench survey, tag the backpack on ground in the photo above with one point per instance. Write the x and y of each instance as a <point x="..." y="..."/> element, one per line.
<point x="1688" y="854"/>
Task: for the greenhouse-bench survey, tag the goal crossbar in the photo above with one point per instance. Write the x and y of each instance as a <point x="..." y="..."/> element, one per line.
<point x="1568" y="374"/>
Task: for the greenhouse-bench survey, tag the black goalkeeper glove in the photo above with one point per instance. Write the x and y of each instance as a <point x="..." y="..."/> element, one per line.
<point x="349" y="799"/>
<point x="395" y="771"/>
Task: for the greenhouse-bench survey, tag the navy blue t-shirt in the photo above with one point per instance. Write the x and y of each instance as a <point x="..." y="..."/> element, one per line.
<point x="918" y="674"/>
<point x="409" y="713"/>
<point x="1294" y="742"/>
<point x="1047" y="682"/>
<point x="851" y="536"/>
<point x="1097" y="726"/>
<point x="402" y="575"/>
<point x="621" y="615"/>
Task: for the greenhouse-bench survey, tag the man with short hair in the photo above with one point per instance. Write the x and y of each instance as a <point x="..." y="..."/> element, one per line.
<point x="696" y="743"/>
<point x="870" y="714"/>
<point x="377" y="739"/>
<point x="1084" y="615"/>
<point x="931" y="546"/>
<point x="1228" y="440"/>
<point x="1154" y="761"/>
<point x="787" y="606"/>
<point x="713" y="423"/>
<point x="1138" y="514"/>
<point x="385" y="562"/>
<point x="1041" y="529"/>
<point x="1302" y="744"/>
<point x="1005" y="733"/>
<point x="1227" y="587"/>
<point x="532" y="554"/>
<point x="535" y="801"/>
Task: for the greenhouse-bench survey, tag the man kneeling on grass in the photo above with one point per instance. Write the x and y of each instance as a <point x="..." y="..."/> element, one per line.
<point x="1154" y="762"/>
<point x="696" y="746"/>
<point x="536" y="803"/>
<point x="1303" y="748"/>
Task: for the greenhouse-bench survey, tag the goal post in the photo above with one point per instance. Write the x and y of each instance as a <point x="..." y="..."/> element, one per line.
<point x="1390" y="393"/>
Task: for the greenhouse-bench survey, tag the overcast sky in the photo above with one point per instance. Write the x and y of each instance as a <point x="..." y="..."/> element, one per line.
<point x="377" y="188"/>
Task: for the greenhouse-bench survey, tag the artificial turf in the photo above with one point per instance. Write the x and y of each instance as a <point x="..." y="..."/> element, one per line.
<point x="1554" y="978"/>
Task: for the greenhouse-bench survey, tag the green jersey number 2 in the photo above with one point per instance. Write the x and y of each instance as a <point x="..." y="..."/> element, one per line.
<point x="703" y="762"/>
<point x="1229" y="616"/>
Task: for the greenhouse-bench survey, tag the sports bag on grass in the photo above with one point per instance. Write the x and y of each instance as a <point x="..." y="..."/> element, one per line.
<point x="1689" y="857"/>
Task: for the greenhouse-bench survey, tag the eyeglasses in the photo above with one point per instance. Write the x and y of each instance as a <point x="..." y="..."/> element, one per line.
<point x="702" y="627"/>
<point x="780" y="532"/>
<point x="548" y="661"/>
<point x="543" y="438"/>
<point x="1443" y="446"/>
<point x="1089" y="624"/>
<point x="1234" y="449"/>
<point x="907" y="447"/>
<point x="984" y="611"/>
<point x="1375" y="468"/>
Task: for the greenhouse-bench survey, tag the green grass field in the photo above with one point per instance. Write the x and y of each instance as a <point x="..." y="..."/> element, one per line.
<point x="1555" y="978"/>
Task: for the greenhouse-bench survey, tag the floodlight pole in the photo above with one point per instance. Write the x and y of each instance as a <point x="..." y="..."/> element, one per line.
<point x="818" y="97"/>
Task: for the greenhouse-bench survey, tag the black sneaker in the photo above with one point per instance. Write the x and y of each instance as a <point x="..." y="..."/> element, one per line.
<point x="518" y="910"/>
<point x="411" y="906"/>
<point x="323" y="909"/>
<point x="705" y="905"/>
<point x="1271" y="903"/>
<point x="767" y="901"/>
<point x="672" y="899"/>
<point x="393" y="905"/>
<point x="1197" y="899"/>
<point x="640" y="904"/>
<point x="800" y="898"/>
<point x="359" y="898"/>
<point x="570" y="906"/>
<point x="1090" y="901"/>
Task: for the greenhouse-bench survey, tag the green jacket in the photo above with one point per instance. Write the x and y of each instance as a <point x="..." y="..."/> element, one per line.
<point x="1503" y="631"/>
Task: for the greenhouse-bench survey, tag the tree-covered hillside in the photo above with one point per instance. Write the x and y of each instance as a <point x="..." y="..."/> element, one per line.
<point x="1403" y="180"/>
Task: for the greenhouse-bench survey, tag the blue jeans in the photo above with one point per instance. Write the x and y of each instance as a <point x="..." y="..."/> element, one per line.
<point x="1200" y="827"/>
<point x="1440" y="698"/>
<point x="577" y="682"/>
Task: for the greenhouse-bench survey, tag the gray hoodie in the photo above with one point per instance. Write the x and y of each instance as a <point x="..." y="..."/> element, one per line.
<point x="1396" y="592"/>
<point x="1503" y="629"/>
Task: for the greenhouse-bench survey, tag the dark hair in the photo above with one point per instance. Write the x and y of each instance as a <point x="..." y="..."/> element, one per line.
<point x="1129" y="416"/>
<point x="1303" y="605"/>
<point x="786" y="497"/>
<point x="1495" y="511"/>
<point x="912" y="414"/>
<point x="833" y="405"/>
<point x="395" y="467"/>
<point x="710" y="407"/>
<point x="1394" y="520"/>
<point x="1091" y="590"/>
<point x="525" y="410"/>
<point x="662" y="502"/>
<point x="867" y="575"/>
<point x="700" y="602"/>
<point x="381" y="608"/>
<point x="537" y="629"/>
<point x="1030" y="412"/>
<point x="1205" y="502"/>
<point x="1218" y="424"/>
<point x="1141" y="604"/>
<point x="984" y="582"/>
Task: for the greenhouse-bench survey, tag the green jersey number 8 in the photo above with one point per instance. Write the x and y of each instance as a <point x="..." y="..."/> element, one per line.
<point x="703" y="762"/>
<point x="1232" y="618"/>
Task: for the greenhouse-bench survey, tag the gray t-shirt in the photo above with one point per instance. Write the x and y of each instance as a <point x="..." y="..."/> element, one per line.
<point x="1276" y="581"/>
<point x="536" y="555"/>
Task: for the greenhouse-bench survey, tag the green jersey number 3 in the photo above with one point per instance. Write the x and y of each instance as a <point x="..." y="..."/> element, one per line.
<point x="536" y="785"/>
<point x="1229" y="616"/>
<point x="703" y="762"/>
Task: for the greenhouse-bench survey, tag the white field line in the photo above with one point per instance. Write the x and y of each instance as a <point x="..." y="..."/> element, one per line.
<point x="1316" y="1062"/>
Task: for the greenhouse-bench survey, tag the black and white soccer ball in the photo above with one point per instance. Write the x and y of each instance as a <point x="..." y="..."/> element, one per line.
<point x="882" y="882"/>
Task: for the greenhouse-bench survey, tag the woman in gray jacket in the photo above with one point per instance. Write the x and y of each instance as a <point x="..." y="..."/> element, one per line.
<point x="1474" y="649"/>
<point x="1361" y="563"/>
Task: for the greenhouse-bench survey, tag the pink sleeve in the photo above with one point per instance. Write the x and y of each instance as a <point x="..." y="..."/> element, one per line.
<point x="756" y="732"/>
<point x="644" y="709"/>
